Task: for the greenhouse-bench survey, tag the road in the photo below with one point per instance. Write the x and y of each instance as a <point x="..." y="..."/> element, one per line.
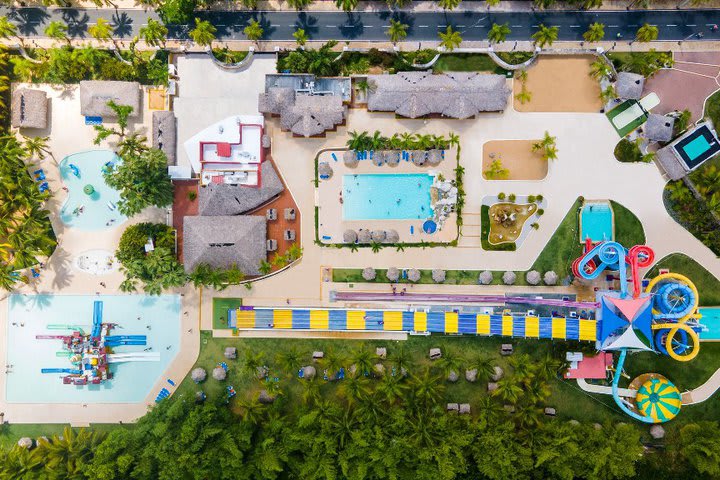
<point x="368" y="26"/>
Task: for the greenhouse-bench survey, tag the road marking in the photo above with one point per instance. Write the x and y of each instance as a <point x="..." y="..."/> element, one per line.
<point x="461" y="26"/>
<point x="691" y="25"/>
<point x="516" y="26"/>
<point x="423" y="26"/>
<point x="613" y="26"/>
<point x="574" y="26"/>
<point x="442" y="26"/>
<point x="272" y="25"/>
<point x="330" y="26"/>
<point x="671" y="25"/>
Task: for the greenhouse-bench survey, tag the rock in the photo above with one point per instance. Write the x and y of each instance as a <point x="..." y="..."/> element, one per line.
<point x="317" y="355"/>
<point x="435" y="353"/>
<point x="509" y="278"/>
<point x="533" y="277"/>
<point x="369" y="273"/>
<point x="452" y="376"/>
<point x="452" y="407"/>
<point x="485" y="278"/>
<point x="550" y="412"/>
<point x="499" y="373"/>
<point x="597" y="426"/>
<point x="509" y="408"/>
<point x="471" y="375"/>
<point x="219" y="373"/>
<point x="262" y="372"/>
<point x="265" y="398"/>
<point x="379" y="369"/>
<point x="464" y="408"/>
<point x="573" y="422"/>
<point x="492" y="386"/>
<point x="438" y="275"/>
<point x="381" y="352"/>
<point x="198" y="375"/>
<point x="230" y="353"/>
<point x="309" y="372"/>
<point x="657" y="432"/>
<point x="550" y="278"/>
<point x="25" y="442"/>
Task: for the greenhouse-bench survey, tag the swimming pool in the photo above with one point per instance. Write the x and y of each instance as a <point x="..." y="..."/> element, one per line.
<point x="92" y="208"/>
<point x="386" y="196"/>
<point x="596" y="222"/>
<point x="696" y="147"/>
<point x="30" y="315"/>
<point x="711" y="321"/>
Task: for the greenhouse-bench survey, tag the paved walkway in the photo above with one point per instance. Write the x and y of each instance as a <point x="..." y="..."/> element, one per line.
<point x="704" y="391"/>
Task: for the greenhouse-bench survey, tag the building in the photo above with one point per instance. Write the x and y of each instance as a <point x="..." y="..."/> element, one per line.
<point x="223" y="241"/>
<point x="659" y="128"/>
<point x="688" y="152"/>
<point x="629" y="85"/>
<point x="452" y="94"/>
<point x="29" y="108"/>
<point x="95" y="95"/>
<point x="164" y="131"/>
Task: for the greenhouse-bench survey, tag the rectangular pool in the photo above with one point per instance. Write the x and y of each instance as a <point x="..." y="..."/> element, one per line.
<point x="596" y="222"/>
<point x="156" y="317"/>
<point x="697" y="146"/>
<point x="711" y="321"/>
<point x="386" y="196"/>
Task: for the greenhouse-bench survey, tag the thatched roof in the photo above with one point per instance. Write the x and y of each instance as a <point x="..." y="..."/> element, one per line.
<point x="659" y="128"/>
<point x="419" y="157"/>
<point x="391" y="236"/>
<point x="550" y="278"/>
<point x="368" y="273"/>
<point x="509" y="278"/>
<point x="350" y="158"/>
<point x="438" y="275"/>
<point x="164" y="127"/>
<point x="29" y="108"/>
<point x="378" y="235"/>
<point x="222" y="241"/>
<point x="226" y="199"/>
<point x="350" y="236"/>
<point x="95" y="95"/>
<point x="670" y="163"/>
<point x="434" y="156"/>
<point x="452" y="94"/>
<point x="413" y="275"/>
<point x="364" y="236"/>
<point x="629" y="85"/>
<point x="230" y="353"/>
<point x="392" y="274"/>
<point x="325" y="170"/>
<point x="485" y="277"/>
<point x="392" y="157"/>
<point x="305" y="115"/>
<point x="532" y="277"/>
<point x="308" y="372"/>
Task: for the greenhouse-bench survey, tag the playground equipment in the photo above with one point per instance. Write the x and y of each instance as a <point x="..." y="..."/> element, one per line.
<point x="91" y="354"/>
<point x="74" y="169"/>
<point x="88" y="189"/>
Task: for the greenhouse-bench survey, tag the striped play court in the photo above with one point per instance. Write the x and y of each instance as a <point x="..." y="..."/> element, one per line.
<point x="433" y="322"/>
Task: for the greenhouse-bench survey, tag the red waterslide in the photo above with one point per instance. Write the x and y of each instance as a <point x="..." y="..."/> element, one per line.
<point x="639" y="256"/>
<point x="591" y="265"/>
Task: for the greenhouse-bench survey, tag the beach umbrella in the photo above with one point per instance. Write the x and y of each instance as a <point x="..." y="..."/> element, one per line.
<point x="378" y="235"/>
<point x="368" y="273"/>
<point x="325" y="170"/>
<point x="435" y="156"/>
<point x="219" y="373"/>
<point x="509" y="278"/>
<point x="418" y="157"/>
<point x="533" y="277"/>
<point x="308" y="372"/>
<point x="658" y="399"/>
<point x="88" y="189"/>
<point x="413" y="275"/>
<point x="378" y="158"/>
<point x="392" y="274"/>
<point x="350" y="158"/>
<point x="392" y="157"/>
<point x="550" y="278"/>
<point x="438" y="276"/>
<point x="350" y="236"/>
<point x="364" y="236"/>
<point x="230" y="352"/>
<point x="198" y="375"/>
<point x="391" y="236"/>
<point x="485" y="277"/>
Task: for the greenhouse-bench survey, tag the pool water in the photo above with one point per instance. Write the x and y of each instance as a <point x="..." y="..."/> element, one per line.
<point x="386" y="196"/>
<point x="696" y="147"/>
<point x="596" y="220"/>
<point x="99" y="209"/>
<point x="132" y="381"/>
<point x="711" y="321"/>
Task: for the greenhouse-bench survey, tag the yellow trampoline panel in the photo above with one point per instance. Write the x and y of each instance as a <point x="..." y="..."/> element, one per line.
<point x="587" y="329"/>
<point x="356" y="320"/>
<point x="282" y="318"/>
<point x="392" y="320"/>
<point x="420" y="322"/>
<point x="483" y="324"/>
<point x="559" y="329"/>
<point x="451" y="322"/>
<point x="507" y="325"/>
<point x="532" y="327"/>
<point x="245" y="319"/>
<point x="319" y="319"/>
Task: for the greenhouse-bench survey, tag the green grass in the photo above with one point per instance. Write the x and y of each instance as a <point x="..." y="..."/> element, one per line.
<point x="467" y="62"/>
<point x="220" y="308"/>
<point x="708" y="286"/>
<point x="629" y="230"/>
<point x="712" y="108"/>
<point x="630" y="126"/>
<point x="563" y="247"/>
<point x="452" y="277"/>
<point x="485" y="233"/>
<point x="10" y="433"/>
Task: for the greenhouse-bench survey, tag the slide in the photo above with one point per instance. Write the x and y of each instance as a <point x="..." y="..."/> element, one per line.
<point x="61" y="370"/>
<point x="125" y="337"/>
<point x="97" y="318"/>
<point x="117" y="343"/>
<point x="605" y="255"/>
<point x="616" y="396"/>
<point x="50" y="337"/>
<point x="639" y="256"/>
<point x="134" y="357"/>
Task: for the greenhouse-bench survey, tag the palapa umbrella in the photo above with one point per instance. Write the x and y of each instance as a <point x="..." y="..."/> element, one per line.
<point x="419" y="157"/>
<point x="658" y="399"/>
<point x="413" y="275"/>
<point x="198" y="375"/>
<point x="369" y="273"/>
<point x="219" y="373"/>
<point x="378" y="235"/>
<point x="391" y="236"/>
<point x="350" y="236"/>
<point x="364" y="236"/>
<point x="325" y="171"/>
<point x="392" y="157"/>
<point x="392" y="274"/>
<point x="377" y="159"/>
<point x="350" y="158"/>
<point x="435" y="156"/>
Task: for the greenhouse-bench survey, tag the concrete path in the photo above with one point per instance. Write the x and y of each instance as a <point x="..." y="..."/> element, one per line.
<point x="605" y="390"/>
<point x="704" y="391"/>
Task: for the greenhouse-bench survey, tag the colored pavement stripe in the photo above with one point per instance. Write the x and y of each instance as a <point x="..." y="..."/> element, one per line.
<point x="420" y="322"/>
<point x="483" y="324"/>
<point x="393" y="320"/>
<point x="559" y="328"/>
<point x="451" y="322"/>
<point x="532" y="327"/>
<point x="282" y="318"/>
<point x="319" y="320"/>
<point x="245" y="318"/>
<point x="507" y="326"/>
<point x="355" y="320"/>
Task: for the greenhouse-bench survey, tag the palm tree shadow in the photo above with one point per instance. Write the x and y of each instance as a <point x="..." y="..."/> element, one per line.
<point x="60" y="263"/>
<point x="267" y="27"/>
<point x="307" y="23"/>
<point x="408" y="20"/>
<point x="353" y="26"/>
<point x="28" y="19"/>
<point x="77" y="22"/>
<point x="40" y="301"/>
<point x="122" y="24"/>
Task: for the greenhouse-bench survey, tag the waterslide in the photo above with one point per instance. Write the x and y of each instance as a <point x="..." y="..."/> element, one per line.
<point x="73" y="371"/>
<point x="639" y="256"/>
<point x="50" y="337"/>
<point x="616" y="392"/>
<point x="613" y="256"/>
<point x="134" y="357"/>
<point x="114" y="341"/>
<point x="97" y="318"/>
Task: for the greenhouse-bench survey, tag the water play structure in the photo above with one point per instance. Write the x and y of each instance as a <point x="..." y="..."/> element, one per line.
<point x="92" y="353"/>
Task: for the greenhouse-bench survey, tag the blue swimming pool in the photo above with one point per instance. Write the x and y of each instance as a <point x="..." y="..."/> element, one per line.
<point x="32" y="315"/>
<point x="711" y="323"/>
<point x="91" y="203"/>
<point x="596" y="222"/>
<point x="386" y="196"/>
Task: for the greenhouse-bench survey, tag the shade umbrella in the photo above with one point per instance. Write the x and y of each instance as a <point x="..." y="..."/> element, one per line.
<point x="379" y="158"/>
<point x="308" y="372"/>
<point x="435" y="156"/>
<point x="438" y="275"/>
<point x="219" y="373"/>
<point x="414" y="275"/>
<point x="350" y="158"/>
<point x="325" y="171"/>
<point x="485" y="277"/>
<point x="550" y="278"/>
<point x="25" y="442"/>
<point x="391" y="236"/>
<point x="378" y="235"/>
<point x="392" y="157"/>
<point x="533" y="277"/>
<point x="392" y="274"/>
<point x="419" y="157"/>
<point x="364" y="236"/>
<point x="230" y="352"/>
<point x="368" y="273"/>
<point x="198" y="375"/>
<point x="658" y="399"/>
<point x="350" y="236"/>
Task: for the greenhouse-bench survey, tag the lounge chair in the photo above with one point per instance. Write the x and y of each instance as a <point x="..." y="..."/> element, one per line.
<point x="43" y="187"/>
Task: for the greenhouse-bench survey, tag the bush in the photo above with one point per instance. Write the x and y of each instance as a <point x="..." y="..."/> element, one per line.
<point x="540" y="212"/>
<point x="531" y="198"/>
<point x="539" y="198"/>
<point x="512" y="197"/>
<point x="628" y="152"/>
<point x="501" y="196"/>
<point x="192" y="195"/>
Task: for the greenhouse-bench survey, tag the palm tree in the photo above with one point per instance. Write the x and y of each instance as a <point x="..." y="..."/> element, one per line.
<point x="508" y="389"/>
<point x="363" y="361"/>
<point x="547" y="146"/>
<point x="545" y="35"/>
<point x="450" y="40"/>
<point x="492" y="3"/>
<point x="549" y="367"/>
<point x="524" y="95"/>
<point x="498" y="33"/>
<point x="289" y="360"/>
<point x="608" y="94"/>
<point x="527" y="417"/>
<point x="448" y="4"/>
<point x="299" y="4"/>
<point x="67" y="455"/>
<point x="251" y="410"/>
<point x="450" y="362"/>
<point x="102" y="30"/>
<point x="489" y="410"/>
<point x="595" y="32"/>
<point x="397" y="31"/>
<point x="427" y="389"/>
<point x="353" y="388"/>
<point x="400" y="359"/>
<point x="265" y="267"/>
<point x="8" y="29"/>
<point x="523" y="367"/>
<point x="484" y="366"/>
<point x="333" y="362"/>
<point x="346" y="5"/>
<point x="36" y="146"/>
<point x="154" y="33"/>
<point x="254" y="31"/>
<point x="646" y="33"/>
<point x="392" y="388"/>
<point x="57" y="30"/>
<point x="300" y="36"/>
<point x="454" y="140"/>
<point x="204" y="32"/>
<point x="600" y="69"/>
<point x="310" y="392"/>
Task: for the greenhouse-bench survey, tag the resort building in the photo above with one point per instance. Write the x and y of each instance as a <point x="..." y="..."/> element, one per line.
<point x="164" y="128"/>
<point x="223" y="241"/>
<point x="95" y="95"/>
<point x="659" y="128"/>
<point x="29" y="108"/>
<point x="453" y="94"/>
<point x="629" y="85"/>
<point x="688" y="152"/>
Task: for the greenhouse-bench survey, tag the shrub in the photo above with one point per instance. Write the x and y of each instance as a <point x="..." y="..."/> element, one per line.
<point x="531" y="198"/>
<point x="511" y="197"/>
<point x="540" y="212"/>
<point x="627" y="151"/>
<point x="535" y="225"/>
<point x="501" y="196"/>
<point x="192" y="195"/>
<point x="539" y="198"/>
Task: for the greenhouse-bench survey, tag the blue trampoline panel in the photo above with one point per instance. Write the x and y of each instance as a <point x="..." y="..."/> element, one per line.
<point x="263" y="318"/>
<point x="495" y="324"/>
<point x="436" y="322"/>
<point x="572" y="329"/>
<point x="374" y="320"/>
<point x="467" y="323"/>
<point x="545" y="327"/>
<point x="301" y="319"/>
<point x="518" y="326"/>
<point x="408" y="321"/>
<point x="337" y="319"/>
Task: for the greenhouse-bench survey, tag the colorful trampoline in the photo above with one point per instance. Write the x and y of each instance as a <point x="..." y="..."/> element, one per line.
<point x="658" y="399"/>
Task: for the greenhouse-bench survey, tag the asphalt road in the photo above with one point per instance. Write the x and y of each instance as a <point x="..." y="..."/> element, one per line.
<point x="280" y="25"/>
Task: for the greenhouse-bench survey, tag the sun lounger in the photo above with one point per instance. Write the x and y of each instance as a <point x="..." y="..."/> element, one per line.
<point x="43" y="187"/>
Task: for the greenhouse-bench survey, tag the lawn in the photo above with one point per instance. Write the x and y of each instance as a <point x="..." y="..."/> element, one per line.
<point x="628" y="228"/>
<point x="708" y="286"/>
<point x="563" y="247"/>
<point x="220" y="309"/>
<point x="467" y="62"/>
<point x="712" y="108"/>
<point x="452" y="277"/>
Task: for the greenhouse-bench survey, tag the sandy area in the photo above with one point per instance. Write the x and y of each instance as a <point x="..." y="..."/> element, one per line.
<point x="516" y="156"/>
<point x="510" y="231"/>
<point x="560" y="84"/>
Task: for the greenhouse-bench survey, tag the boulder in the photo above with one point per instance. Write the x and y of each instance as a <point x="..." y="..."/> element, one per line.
<point x="471" y="374"/>
<point x="317" y="355"/>
<point x="198" y="375"/>
<point x="379" y="369"/>
<point x="550" y="412"/>
<point x="657" y="432"/>
<point x="265" y="398"/>
<point x="597" y="426"/>
<point x="435" y="353"/>
<point x="506" y="349"/>
<point x="452" y="376"/>
<point x="499" y="373"/>
<point x="219" y="373"/>
<point x="464" y="409"/>
<point x="381" y="352"/>
<point x="509" y="408"/>
<point x="492" y="386"/>
<point x="230" y="353"/>
<point x="573" y="422"/>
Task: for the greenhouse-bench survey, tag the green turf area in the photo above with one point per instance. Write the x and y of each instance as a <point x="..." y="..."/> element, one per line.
<point x="564" y="246"/>
<point x="467" y="62"/>
<point x="708" y="286"/>
<point x="10" y="433"/>
<point x="485" y="233"/>
<point x="452" y="277"/>
<point x="220" y="310"/>
<point x="630" y="126"/>
<point x="712" y="108"/>
<point x="628" y="228"/>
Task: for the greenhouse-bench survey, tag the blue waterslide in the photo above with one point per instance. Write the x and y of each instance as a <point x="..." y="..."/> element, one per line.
<point x="674" y="300"/>
<point x="616" y="397"/>
<point x="61" y="370"/>
<point x="610" y="255"/>
<point x="125" y="337"/>
<point x="97" y="318"/>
